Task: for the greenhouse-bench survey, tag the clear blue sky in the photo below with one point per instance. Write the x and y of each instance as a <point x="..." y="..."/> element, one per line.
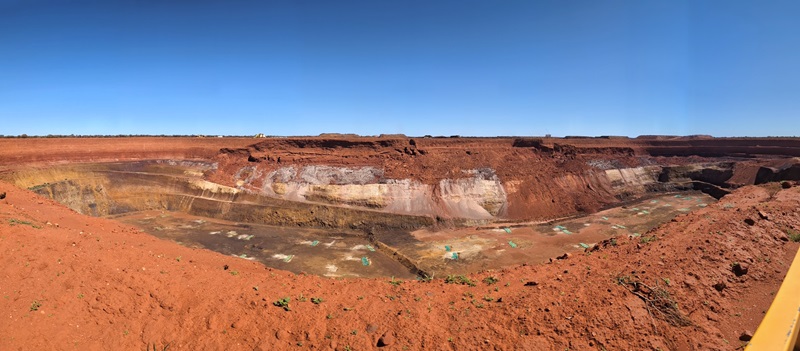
<point x="293" y="67"/>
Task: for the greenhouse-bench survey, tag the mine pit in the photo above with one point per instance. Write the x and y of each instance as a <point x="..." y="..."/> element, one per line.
<point x="310" y="233"/>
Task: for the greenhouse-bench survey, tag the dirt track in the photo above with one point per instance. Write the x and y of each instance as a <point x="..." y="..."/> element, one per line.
<point x="76" y="282"/>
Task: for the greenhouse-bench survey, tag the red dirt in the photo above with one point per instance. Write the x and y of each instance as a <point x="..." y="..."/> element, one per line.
<point x="76" y="282"/>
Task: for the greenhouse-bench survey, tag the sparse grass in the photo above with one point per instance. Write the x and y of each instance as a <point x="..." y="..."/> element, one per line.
<point x="13" y="222"/>
<point x="395" y="282"/>
<point x="658" y="301"/>
<point x="283" y="303"/>
<point x="458" y="279"/>
<point x="35" y="305"/>
<point x="794" y="235"/>
<point x="490" y="280"/>
<point x="316" y="300"/>
<point x="234" y="272"/>
<point x="647" y="239"/>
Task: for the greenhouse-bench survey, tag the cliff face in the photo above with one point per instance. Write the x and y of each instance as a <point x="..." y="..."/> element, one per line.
<point x="487" y="178"/>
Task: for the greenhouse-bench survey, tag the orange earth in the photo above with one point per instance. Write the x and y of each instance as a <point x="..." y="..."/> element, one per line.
<point x="699" y="282"/>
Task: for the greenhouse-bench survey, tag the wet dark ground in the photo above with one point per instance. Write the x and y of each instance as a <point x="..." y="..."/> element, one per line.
<point x="313" y="251"/>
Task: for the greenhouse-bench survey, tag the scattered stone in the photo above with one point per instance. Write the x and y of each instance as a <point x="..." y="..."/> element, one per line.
<point x="746" y="335"/>
<point x="762" y="215"/>
<point x="225" y="267"/>
<point x="749" y="221"/>
<point x="371" y="328"/>
<point x="785" y="185"/>
<point x="2" y="195"/>
<point x="281" y="334"/>
<point x="720" y="286"/>
<point x="531" y="283"/>
<point x="565" y="256"/>
<point x="386" y="339"/>
<point x="739" y="269"/>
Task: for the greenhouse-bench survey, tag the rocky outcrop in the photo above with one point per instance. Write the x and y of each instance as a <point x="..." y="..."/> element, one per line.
<point x="478" y="194"/>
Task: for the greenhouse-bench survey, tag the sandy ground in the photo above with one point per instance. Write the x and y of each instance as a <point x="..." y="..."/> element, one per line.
<point x="75" y="282"/>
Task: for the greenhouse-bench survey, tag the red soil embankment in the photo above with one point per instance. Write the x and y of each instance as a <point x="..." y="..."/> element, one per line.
<point x="19" y="151"/>
<point x="76" y="282"/>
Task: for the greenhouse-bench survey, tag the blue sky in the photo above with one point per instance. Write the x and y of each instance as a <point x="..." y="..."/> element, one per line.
<point x="725" y="68"/>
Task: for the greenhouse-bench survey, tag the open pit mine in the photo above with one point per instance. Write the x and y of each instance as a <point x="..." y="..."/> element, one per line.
<point x="439" y="209"/>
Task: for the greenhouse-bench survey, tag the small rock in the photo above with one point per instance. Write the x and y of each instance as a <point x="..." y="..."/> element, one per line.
<point x="386" y="339"/>
<point x="281" y="334"/>
<point x="2" y="195"/>
<point x="225" y="267"/>
<point x="785" y="185"/>
<point x="762" y="215"/>
<point x="720" y="286"/>
<point x="531" y="283"/>
<point x="749" y="221"/>
<point x="739" y="269"/>
<point x="746" y="335"/>
<point x="565" y="256"/>
<point x="371" y="328"/>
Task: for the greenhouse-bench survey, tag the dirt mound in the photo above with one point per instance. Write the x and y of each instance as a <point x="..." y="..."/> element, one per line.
<point x="77" y="282"/>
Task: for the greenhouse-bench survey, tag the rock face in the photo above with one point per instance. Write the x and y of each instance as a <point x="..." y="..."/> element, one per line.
<point x="479" y="194"/>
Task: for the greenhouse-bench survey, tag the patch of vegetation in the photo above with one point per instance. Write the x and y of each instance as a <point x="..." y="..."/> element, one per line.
<point x="234" y="272"/>
<point x="647" y="239"/>
<point x="13" y="222"/>
<point x="458" y="279"/>
<point x="395" y="282"/>
<point x="35" y="306"/>
<point x="316" y="300"/>
<point x="658" y="302"/>
<point x="794" y="235"/>
<point x="283" y="303"/>
<point x="490" y="280"/>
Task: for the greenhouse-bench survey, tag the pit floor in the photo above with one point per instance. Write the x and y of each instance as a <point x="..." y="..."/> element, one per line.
<point x="451" y="251"/>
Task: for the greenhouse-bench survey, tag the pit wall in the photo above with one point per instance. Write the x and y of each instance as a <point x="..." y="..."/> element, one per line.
<point x="359" y="198"/>
<point x="478" y="195"/>
<point x="100" y="190"/>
